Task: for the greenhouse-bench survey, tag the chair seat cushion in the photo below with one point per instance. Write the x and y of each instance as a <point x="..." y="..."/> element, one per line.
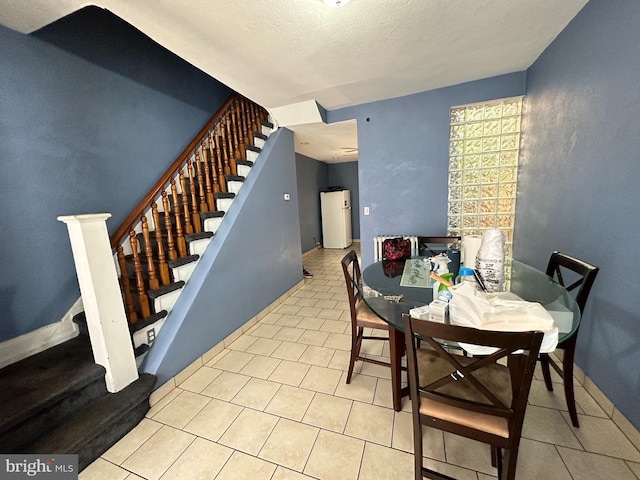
<point x="366" y="318"/>
<point x="494" y="376"/>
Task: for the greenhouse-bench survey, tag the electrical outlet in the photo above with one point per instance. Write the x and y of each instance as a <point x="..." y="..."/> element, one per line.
<point x="287" y="196"/>
<point x="366" y="210"/>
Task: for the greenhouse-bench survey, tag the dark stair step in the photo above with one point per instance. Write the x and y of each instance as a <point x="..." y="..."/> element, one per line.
<point x="40" y="390"/>
<point x="253" y="149"/>
<point x="189" y="258"/>
<point x="99" y="425"/>
<point x="260" y="135"/>
<point x="197" y="236"/>
<point x="218" y="195"/>
<point x="266" y="123"/>
<point x="246" y="163"/>
<point x="153" y="294"/>
<point x="234" y="178"/>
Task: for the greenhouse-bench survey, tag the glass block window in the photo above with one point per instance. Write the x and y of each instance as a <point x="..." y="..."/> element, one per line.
<point x="484" y="142"/>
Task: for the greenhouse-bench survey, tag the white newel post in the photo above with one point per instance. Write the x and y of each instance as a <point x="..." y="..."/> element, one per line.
<point x="100" y="290"/>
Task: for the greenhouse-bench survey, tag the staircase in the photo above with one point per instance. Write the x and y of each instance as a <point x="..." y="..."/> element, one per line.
<point x="57" y="401"/>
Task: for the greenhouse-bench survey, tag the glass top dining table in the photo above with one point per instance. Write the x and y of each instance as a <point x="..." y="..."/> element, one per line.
<point x="392" y="289"/>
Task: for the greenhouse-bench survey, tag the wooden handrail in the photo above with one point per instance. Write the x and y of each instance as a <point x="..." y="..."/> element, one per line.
<point x="123" y="230"/>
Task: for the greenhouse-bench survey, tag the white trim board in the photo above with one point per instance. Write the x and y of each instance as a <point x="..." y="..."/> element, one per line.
<point x="36" y="341"/>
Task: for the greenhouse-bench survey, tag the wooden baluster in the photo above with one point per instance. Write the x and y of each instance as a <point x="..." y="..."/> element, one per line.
<point x="124" y="285"/>
<point x="225" y="152"/>
<point x="154" y="284"/>
<point x="143" y="300"/>
<point x="220" y="160"/>
<point x="255" y="114"/>
<point x="232" y="160"/>
<point x="163" y="267"/>
<point x="213" y="164"/>
<point x="188" y="227"/>
<point x="245" y="121"/>
<point x="238" y="152"/>
<point x="203" y="202"/>
<point x="207" y="176"/>
<point x="167" y="226"/>
<point x="195" y="214"/>
<point x="182" y="243"/>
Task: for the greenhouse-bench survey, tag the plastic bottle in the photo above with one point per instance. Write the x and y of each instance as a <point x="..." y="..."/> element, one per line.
<point x="465" y="274"/>
<point x="441" y="268"/>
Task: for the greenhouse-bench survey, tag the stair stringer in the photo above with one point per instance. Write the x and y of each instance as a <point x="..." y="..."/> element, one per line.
<point x="253" y="259"/>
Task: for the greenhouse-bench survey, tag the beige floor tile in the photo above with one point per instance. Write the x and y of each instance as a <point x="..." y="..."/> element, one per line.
<point x="156" y="455"/>
<point x="264" y="346"/>
<point x="289" y="321"/>
<point x="160" y="404"/>
<point x="266" y="331"/>
<point x="286" y="474"/>
<point x="242" y="466"/>
<point x="468" y="453"/>
<point x="132" y="441"/>
<point x="382" y="463"/>
<point x="338" y="341"/>
<point x="226" y="386"/>
<point x="233" y="361"/>
<point x="591" y="466"/>
<point x="256" y="394"/>
<point x="242" y="343"/>
<point x="307" y="302"/>
<point x="202" y="460"/>
<point x="326" y="303"/>
<point x="310" y="312"/>
<point x="260" y="367"/>
<point x="320" y="356"/>
<point x="290" y="373"/>
<point x="321" y="379"/>
<point x="290" y="402"/>
<point x="635" y="468"/>
<point x="103" y="470"/>
<point x="200" y="379"/>
<point x="271" y="318"/>
<point x="540" y="461"/>
<point x="249" y="431"/>
<point x="340" y="361"/>
<point x="380" y="371"/>
<point x="372" y="347"/>
<point x="310" y="323"/>
<point x="182" y="409"/>
<point x="432" y="439"/>
<point x="289" y="351"/>
<point x="384" y="394"/>
<point x="452" y="470"/>
<point x="599" y="435"/>
<point x="333" y="326"/>
<point x="323" y="296"/>
<point x="213" y="420"/>
<point x="371" y="423"/>
<point x="328" y="412"/>
<point x="362" y="388"/>
<point x="547" y="425"/>
<point x="312" y="337"/>
<point x="289" y="444"/>
<point x="586" y="404"/>
<point x="330" y="313"/>
<point x="289" y="334"/>
<point x="288" y="309"/>
<point x="541" y="397"/>
<point x="335" y="457"/>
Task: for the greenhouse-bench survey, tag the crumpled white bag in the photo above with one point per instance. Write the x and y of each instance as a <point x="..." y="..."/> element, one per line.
<point x="501" y="311"/>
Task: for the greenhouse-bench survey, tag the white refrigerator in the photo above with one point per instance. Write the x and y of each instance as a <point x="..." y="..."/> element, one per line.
<point x="336" y="219"/>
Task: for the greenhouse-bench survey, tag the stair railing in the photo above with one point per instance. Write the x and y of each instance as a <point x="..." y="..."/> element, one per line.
<point x="153" y="234"/>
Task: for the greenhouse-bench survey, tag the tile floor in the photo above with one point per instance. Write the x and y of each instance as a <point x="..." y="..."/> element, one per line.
<point x="274" y="405"/>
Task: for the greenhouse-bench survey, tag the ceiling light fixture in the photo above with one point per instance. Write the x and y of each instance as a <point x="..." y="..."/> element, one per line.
<point x="336" y="3"/>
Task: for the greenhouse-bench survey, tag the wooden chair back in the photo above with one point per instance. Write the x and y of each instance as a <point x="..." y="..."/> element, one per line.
<point x="585" y="272"/>
<point x="483" y="398"/>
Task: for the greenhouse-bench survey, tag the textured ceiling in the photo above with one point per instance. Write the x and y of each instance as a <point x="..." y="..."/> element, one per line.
<point x="283" y="52"/>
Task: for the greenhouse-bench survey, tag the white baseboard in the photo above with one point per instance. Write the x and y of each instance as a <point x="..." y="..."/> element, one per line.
<point x="24" y="346"/>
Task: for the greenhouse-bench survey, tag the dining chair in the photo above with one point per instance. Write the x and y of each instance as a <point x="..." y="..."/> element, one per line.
<point x="481" y="398"/>
<point x="361" y="315"/>
<point x="424" y="242"/>
<point x="581" y="275"/>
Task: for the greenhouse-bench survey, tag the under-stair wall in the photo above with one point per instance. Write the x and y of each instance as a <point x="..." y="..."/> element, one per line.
<point x="251" y="261"/>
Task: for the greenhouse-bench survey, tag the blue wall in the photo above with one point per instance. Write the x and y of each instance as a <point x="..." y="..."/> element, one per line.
<point x="580" y="179"/>
<point x="92" y="113"/>
<point x="312" y="179"/>
<point x="403" y="148"/>
<point x="253" y="259"/>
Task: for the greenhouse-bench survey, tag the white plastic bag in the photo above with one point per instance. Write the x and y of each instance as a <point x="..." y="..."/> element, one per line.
<point x="490" y="260"/>
<point x="503" y="311"/>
